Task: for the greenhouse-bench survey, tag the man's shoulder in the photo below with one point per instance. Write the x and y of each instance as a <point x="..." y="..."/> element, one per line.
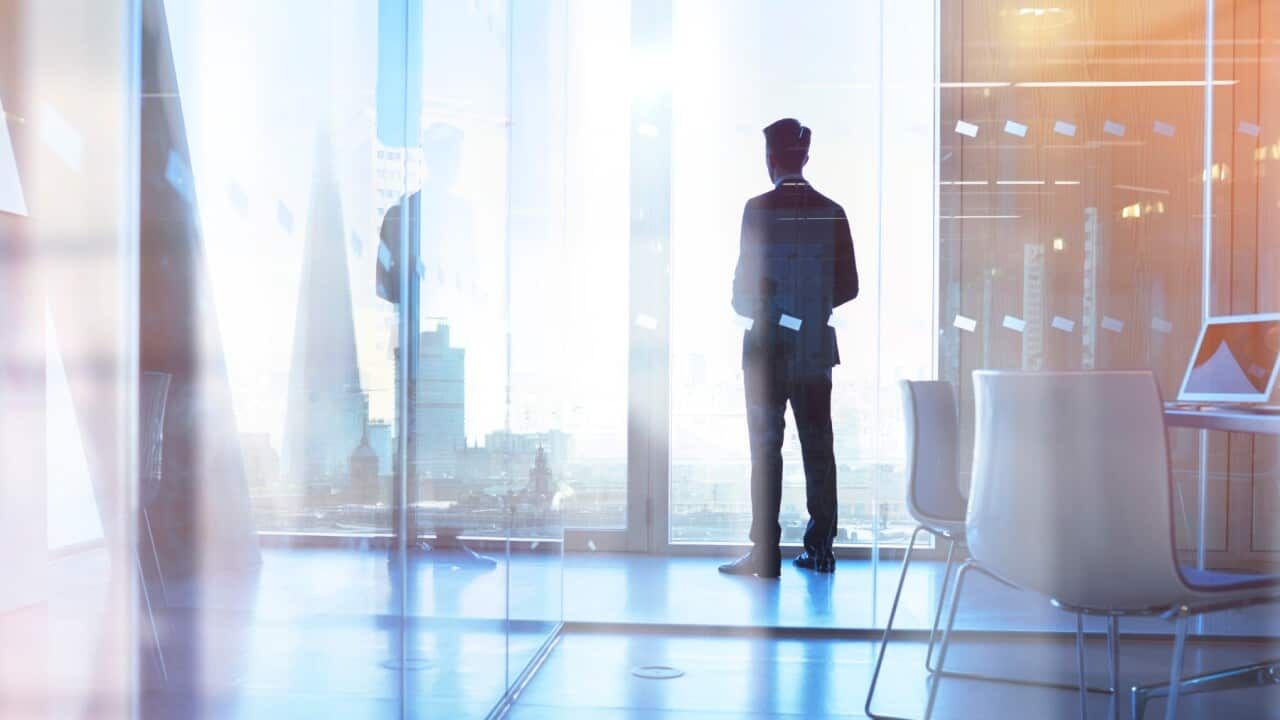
<point x="781" y="197"/>
<point x="825" y="201"/>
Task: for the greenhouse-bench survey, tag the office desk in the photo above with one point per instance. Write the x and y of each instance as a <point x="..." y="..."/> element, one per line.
<point x="1258" y="674"/>
<point x="1222" y="419"/>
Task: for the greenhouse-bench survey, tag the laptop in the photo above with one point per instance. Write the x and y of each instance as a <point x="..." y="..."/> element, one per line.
<point x="1235" y="362"/>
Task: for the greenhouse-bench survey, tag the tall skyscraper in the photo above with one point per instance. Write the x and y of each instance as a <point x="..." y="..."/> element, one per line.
<point x="439" y="408"/>
<point x="324" y="419"/>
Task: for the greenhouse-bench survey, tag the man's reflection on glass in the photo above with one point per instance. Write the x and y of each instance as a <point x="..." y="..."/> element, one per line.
<point x="445" y="299"/>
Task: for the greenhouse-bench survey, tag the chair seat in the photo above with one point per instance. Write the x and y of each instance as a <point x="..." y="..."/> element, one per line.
<point x="1216" y="586"/>
<point x="951" y="529"/>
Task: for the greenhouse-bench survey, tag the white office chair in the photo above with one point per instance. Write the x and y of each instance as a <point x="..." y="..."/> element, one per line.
<point x="936" y="504"/>
<point x="1072" y="498"/>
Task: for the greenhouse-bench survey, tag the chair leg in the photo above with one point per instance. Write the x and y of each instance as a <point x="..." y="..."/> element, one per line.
<point x="1113" y="650"/>
<point x="156" y="647"/>
<point x="155" y="555"/>
<point x="1084" y="694"/>
<point x="942" y="600"/>
<point x="946" y="637"/>
<point x="1175" y="667"/>
<point x="888" y="627"/>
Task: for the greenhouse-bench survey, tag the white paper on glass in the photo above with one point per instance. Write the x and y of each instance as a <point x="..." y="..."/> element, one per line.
<point x="967" y="129"/>
<point x="12" y="199"/>
<point x="1111" y="324"/>
<point x="967" y="324"/>
<point x="1161" y="325"/>
<point x="1249" y="128"/>
<point x="648" y="322"/>
<point x="384" y="256"/>
<point x="284" y="217"/>
<point x="745" y="323"/>
<point x="1163" y="128"/>
<point x="1063" y="324"/>
<point x="1112" y="127"/>
<point x="238" y="197"/>
<point x="60" y="136"/>
<point x="1063" y="127"/>
<point x="790" y="323"/>
<point x="1015" y="128"/>
<point x="1015" y="324"/>
<point x="178" y="176"/>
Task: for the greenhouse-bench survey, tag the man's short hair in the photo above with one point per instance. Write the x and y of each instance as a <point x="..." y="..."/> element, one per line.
<point x="788" y="142"/>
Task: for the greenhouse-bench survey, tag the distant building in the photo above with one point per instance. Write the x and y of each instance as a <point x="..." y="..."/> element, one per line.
<point x="380" y="441"/>
<point x="326" y="408"/>
<point x="518" y="451"/>
<point x="363" y="472"/>
<point x="439" y="410"/>
<point x="261" y="461"/>
<point x="397" y="172"/>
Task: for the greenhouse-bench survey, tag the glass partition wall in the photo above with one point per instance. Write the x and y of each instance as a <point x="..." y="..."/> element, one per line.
<point x="1104" y="187"/>
<point x="301" y="449"/>
<point x="381" y="474"/>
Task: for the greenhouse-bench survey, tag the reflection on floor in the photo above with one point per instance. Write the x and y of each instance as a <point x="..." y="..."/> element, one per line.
<point x="589" y="677"/>
<point x="318" y="633"/>
<point x="646" y="589"/>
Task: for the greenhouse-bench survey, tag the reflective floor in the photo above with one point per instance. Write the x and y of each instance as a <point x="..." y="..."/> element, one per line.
<point x="316" y="633"/>
<point x="589" y="676"/>
<point x="647" y="589"/>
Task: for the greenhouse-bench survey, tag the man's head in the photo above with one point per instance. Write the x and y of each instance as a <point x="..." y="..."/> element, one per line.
<point x="786" y="144"/>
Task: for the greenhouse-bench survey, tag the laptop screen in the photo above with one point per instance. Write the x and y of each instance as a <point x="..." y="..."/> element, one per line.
<point x="1235" y="361"/>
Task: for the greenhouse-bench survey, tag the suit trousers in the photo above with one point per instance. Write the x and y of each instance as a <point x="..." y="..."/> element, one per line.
<point x="769" y="387"/>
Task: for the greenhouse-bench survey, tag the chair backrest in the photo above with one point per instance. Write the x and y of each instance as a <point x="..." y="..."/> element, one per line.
<point x="929" y="414"/>
<point x="1071" y="495"/>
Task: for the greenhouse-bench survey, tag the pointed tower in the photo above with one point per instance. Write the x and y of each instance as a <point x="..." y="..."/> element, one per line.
<point x="324" y="418"/>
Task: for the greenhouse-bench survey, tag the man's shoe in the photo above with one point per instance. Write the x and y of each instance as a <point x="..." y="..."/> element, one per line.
<point x="750" y="564"/>
<point x="823" y="562"/>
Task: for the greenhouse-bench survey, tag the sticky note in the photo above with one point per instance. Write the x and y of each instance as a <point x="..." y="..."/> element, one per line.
<point x="968" y="129"/>
<point x="1161" y="325"/>
<point x="648" y="322"/>
<point x="1112" y="127"/>
<point x="1064" y="128"/>
<point x="1249" y="128"/>
<point x="1111" y="324"/>
<point x="1163" y="128"/>
<point x="1063" y="324"/>
<point x="284" y="217"/>
<point x="178" y="175"/>
<point x="1015" y="324"/>
<point x="790" y="323"/>
<point x="745" y="323"/>
<point x="1015" y="128"/>
<point x="967" y="324"/>
<point x="238" y="197"/>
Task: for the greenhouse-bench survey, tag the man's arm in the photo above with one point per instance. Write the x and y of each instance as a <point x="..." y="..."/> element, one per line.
<point x="747" y="277"/>
<point x="846" y="270"/>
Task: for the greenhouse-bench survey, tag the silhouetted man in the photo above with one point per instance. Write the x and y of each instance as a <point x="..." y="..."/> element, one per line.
<point x="795" y="265"/>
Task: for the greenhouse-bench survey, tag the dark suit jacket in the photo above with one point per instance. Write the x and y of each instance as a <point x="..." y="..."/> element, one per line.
<point x="796" y="259"/>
